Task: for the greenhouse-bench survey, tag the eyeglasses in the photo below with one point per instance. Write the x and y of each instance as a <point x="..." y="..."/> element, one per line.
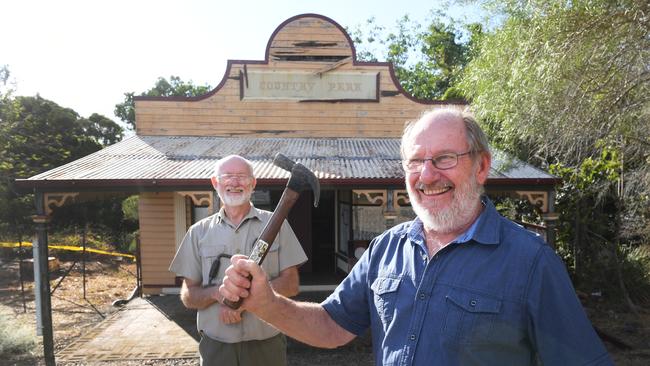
<point x="232" y="177"/>
<point x="442" y="162"/>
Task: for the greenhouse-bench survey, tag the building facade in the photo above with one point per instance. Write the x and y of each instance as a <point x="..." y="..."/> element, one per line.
<point x="310" y="99"/>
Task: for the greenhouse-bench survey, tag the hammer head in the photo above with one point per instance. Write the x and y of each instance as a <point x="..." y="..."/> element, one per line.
<point x="301" y="177"/>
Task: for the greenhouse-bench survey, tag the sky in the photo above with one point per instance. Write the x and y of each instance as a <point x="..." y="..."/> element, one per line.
<point x="85" y="55"/>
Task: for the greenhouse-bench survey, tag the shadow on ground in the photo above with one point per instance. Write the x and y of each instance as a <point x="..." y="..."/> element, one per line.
<point x="171" y="307"/>
<point x="357" y="352"/>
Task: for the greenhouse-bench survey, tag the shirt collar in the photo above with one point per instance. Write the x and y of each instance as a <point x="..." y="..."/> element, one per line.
<point x="484" y="230"/>
<point x="253" y="212"/>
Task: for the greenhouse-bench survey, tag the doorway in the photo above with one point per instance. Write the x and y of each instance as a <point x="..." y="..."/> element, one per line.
<point x="323" y="234"/>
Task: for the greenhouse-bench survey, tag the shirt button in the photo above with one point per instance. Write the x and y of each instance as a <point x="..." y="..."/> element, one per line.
<point x="472" y="303"/>
<point x="422" y="296"/>
<point x="412" y="337"/>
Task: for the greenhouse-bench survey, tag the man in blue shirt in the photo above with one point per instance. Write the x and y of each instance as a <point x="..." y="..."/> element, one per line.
<point x="458" y="285"/>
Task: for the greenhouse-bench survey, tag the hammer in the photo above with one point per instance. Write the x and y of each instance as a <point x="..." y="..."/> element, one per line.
<point x="301" y="178"/>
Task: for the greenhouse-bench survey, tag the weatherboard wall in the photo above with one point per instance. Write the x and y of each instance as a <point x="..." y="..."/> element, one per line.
<point x="157" y="240"/>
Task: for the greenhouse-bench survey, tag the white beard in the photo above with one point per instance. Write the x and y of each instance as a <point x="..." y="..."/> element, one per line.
<point x="465" y="199"/>
<point x="232" y="200"/>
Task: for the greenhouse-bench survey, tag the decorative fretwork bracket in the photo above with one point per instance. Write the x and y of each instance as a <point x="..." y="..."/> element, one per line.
<point x="536" y="198"/>
<point x="374" y="197"/>
<point x="57" y="200"/>
<point x="200" y="198"/>
<point x="378" y="197"/>
<point x="401" y="198"/>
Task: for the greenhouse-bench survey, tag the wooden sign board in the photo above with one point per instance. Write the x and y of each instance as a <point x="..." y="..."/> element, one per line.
<point x="353" y="86"/>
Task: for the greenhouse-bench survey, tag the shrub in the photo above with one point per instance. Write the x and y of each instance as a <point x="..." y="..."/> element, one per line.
<point x="636" y="273"/>
<point x="15" y="338"/>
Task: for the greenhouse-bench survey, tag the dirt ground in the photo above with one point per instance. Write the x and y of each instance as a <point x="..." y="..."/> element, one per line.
<point x="110" y="279"/>
<point x="72" y="314"/>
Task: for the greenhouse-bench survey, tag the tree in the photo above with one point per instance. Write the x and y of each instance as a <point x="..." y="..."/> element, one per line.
<point x="563" y="77"/>
<point x="428" y="61"/>
<point x="163" y="88"/>
<point x="36" y="135"/>
<point x="4" y="79"/>
<point x="566" y="85"/>
<point x="102" y="129"/>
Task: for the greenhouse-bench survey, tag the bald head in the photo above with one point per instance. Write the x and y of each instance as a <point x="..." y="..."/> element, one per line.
<point x="233" y="160"/>
<point x="476" y="139"/>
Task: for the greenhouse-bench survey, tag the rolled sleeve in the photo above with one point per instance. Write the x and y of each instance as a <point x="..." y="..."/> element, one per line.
<point x="348" y="304"/>
<point x="187" y="261"/>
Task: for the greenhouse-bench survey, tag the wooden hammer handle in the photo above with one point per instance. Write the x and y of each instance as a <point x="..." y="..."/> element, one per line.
<point x="270" y="231"/>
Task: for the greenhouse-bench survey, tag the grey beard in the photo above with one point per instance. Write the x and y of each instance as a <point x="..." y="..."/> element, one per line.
<point x="462" y="209"/>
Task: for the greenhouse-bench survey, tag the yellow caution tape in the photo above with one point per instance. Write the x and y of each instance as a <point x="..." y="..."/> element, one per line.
<point x="69" y="247"/>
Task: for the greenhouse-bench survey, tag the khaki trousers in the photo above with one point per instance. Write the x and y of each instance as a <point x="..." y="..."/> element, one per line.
<point x="267" y="352"/>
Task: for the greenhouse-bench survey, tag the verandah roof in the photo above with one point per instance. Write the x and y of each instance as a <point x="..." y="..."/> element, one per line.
<point x="189" y="160"/>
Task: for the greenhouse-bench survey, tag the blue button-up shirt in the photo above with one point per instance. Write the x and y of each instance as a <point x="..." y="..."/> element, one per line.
<point x="497" y="295"/>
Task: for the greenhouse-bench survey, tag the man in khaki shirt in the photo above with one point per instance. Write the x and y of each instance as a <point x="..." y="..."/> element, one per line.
<point x="233" y="337"/>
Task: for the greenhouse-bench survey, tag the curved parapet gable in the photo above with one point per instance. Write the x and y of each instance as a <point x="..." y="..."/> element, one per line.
<point x="309" y="85"/>
<point x="309" y="36"/>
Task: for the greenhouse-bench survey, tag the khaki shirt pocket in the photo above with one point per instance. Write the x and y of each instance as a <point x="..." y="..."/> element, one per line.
<point x="213" y="255"/>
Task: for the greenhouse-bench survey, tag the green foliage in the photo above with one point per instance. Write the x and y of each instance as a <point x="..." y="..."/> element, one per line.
<point x="364" y="38"/>
<point x="562" y="76"/>
<point x="103" y="130"/>
<point x="519" y="210"/>
<point x="104" y="219"/>
<point x="428" y="60"/>
<point x="588" y="226"/>
<point x="36" y="135"/>
<point x="566" y="85"/>
<point x="590" y="232"/>
<point x="4" y="79"/>
<point x="4" y="74"/>
<point x="131" y="220"/>
<point x="163" y="88"/>
<point x="592" y="173"/>
<point x="131" y="244"/>
<point x="73" y="236"/>
<point x="636" y="272"/>
<point x="130" y="208"/>
<point x="15" y="338"/>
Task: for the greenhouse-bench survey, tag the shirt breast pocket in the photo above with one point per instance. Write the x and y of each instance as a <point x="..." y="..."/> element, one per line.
<point x="271" y="262"/>
<point x="212" y="254"/>
<point x="471" y="316"/>
<point x="385" y="297"/>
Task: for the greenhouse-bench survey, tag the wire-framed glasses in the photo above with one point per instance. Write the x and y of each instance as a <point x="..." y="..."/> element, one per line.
<point x="442" y="162"/>
<point x="228" y="177"/>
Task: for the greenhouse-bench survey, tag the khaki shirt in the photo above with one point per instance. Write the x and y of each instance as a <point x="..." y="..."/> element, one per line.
<point x="216" y="235"/>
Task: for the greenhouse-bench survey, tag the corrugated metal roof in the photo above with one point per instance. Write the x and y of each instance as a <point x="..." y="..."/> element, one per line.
<point x="192" y="158"/>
